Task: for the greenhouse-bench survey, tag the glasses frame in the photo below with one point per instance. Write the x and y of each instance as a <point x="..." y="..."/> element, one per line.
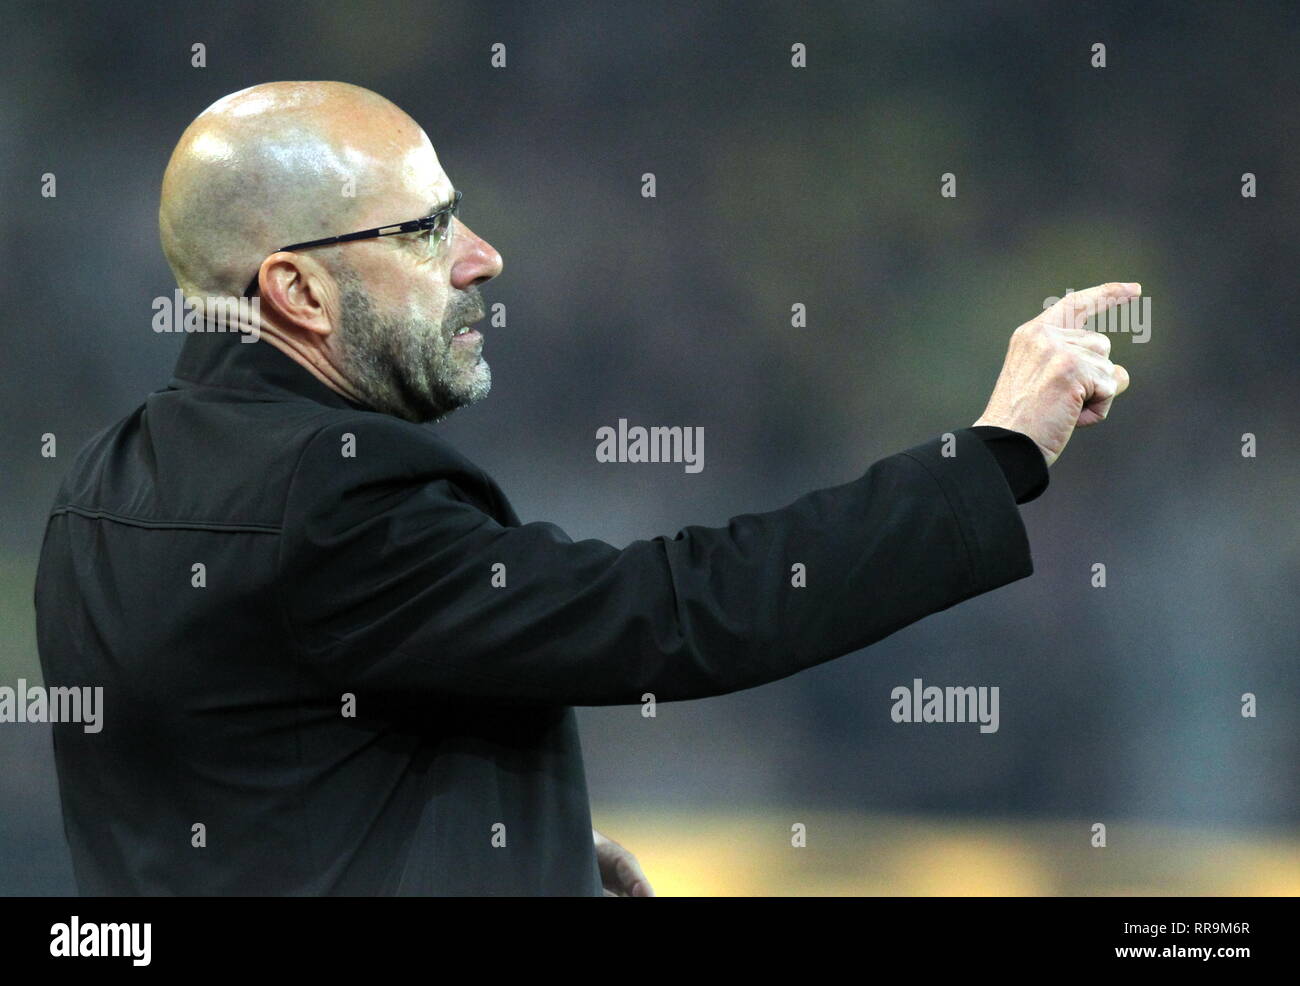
<point x="410" y="226"/>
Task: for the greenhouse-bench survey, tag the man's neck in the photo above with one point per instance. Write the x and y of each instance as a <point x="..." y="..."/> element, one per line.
<point x="314" y="360"/>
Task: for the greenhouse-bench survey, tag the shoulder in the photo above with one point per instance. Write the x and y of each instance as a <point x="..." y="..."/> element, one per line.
<point x="376" y="441"/>
<point x="361" y="449"/>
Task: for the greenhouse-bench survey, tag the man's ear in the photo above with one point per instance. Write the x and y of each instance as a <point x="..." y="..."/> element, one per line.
<point x="300" y="292"/>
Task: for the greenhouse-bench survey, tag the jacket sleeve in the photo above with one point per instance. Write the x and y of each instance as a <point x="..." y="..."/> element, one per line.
<point x="394" y="575"/>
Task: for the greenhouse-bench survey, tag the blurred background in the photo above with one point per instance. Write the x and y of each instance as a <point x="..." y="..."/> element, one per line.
<point x="779" y="186"/>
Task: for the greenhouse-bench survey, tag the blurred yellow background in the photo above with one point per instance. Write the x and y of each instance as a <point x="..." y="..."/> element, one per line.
<point x="749" y="854"/>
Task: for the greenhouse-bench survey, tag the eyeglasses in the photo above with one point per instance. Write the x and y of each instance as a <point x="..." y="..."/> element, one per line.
<point x="439" y="223"/>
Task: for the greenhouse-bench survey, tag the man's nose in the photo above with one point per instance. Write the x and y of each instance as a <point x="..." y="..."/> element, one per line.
<point x="476" y="259"/>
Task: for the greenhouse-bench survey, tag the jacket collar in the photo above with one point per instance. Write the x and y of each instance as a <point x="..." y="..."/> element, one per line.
<point x="227" y="361"/>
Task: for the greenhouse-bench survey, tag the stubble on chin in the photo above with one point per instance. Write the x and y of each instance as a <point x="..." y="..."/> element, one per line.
<point x="409" y="370"/>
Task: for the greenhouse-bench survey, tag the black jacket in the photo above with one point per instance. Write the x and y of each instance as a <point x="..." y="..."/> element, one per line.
<point x="329" y="583"/>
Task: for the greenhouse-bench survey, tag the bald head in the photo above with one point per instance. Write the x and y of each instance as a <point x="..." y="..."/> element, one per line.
<point x="279" y="163"/>
<point x="381" y="320"/>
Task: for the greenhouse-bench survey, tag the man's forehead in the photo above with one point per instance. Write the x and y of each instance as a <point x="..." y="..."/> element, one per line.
<point x="423" y="171"/>
<point x="418" y="183"/>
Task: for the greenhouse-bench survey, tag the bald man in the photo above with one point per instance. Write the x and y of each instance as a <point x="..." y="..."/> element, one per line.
<point x="333" y="659"/>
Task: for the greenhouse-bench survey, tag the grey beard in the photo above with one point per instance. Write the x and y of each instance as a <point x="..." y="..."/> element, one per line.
<point x="402" y="368"/>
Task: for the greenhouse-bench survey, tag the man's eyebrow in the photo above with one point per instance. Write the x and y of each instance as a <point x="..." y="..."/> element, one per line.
<point x="433" y="210"/>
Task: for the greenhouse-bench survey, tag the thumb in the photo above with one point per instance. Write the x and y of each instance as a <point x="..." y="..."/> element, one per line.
<point x="1108" y="383"/>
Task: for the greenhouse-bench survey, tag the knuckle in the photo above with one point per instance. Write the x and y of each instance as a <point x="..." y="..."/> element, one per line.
<point x="1062" y="363"/>
<point x="1045" y="335"/>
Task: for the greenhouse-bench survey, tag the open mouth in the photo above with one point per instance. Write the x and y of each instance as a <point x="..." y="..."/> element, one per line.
<point x="467" y="332"/>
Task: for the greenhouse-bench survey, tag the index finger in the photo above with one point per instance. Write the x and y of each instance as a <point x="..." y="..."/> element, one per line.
<point x="1073" y="310"/>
